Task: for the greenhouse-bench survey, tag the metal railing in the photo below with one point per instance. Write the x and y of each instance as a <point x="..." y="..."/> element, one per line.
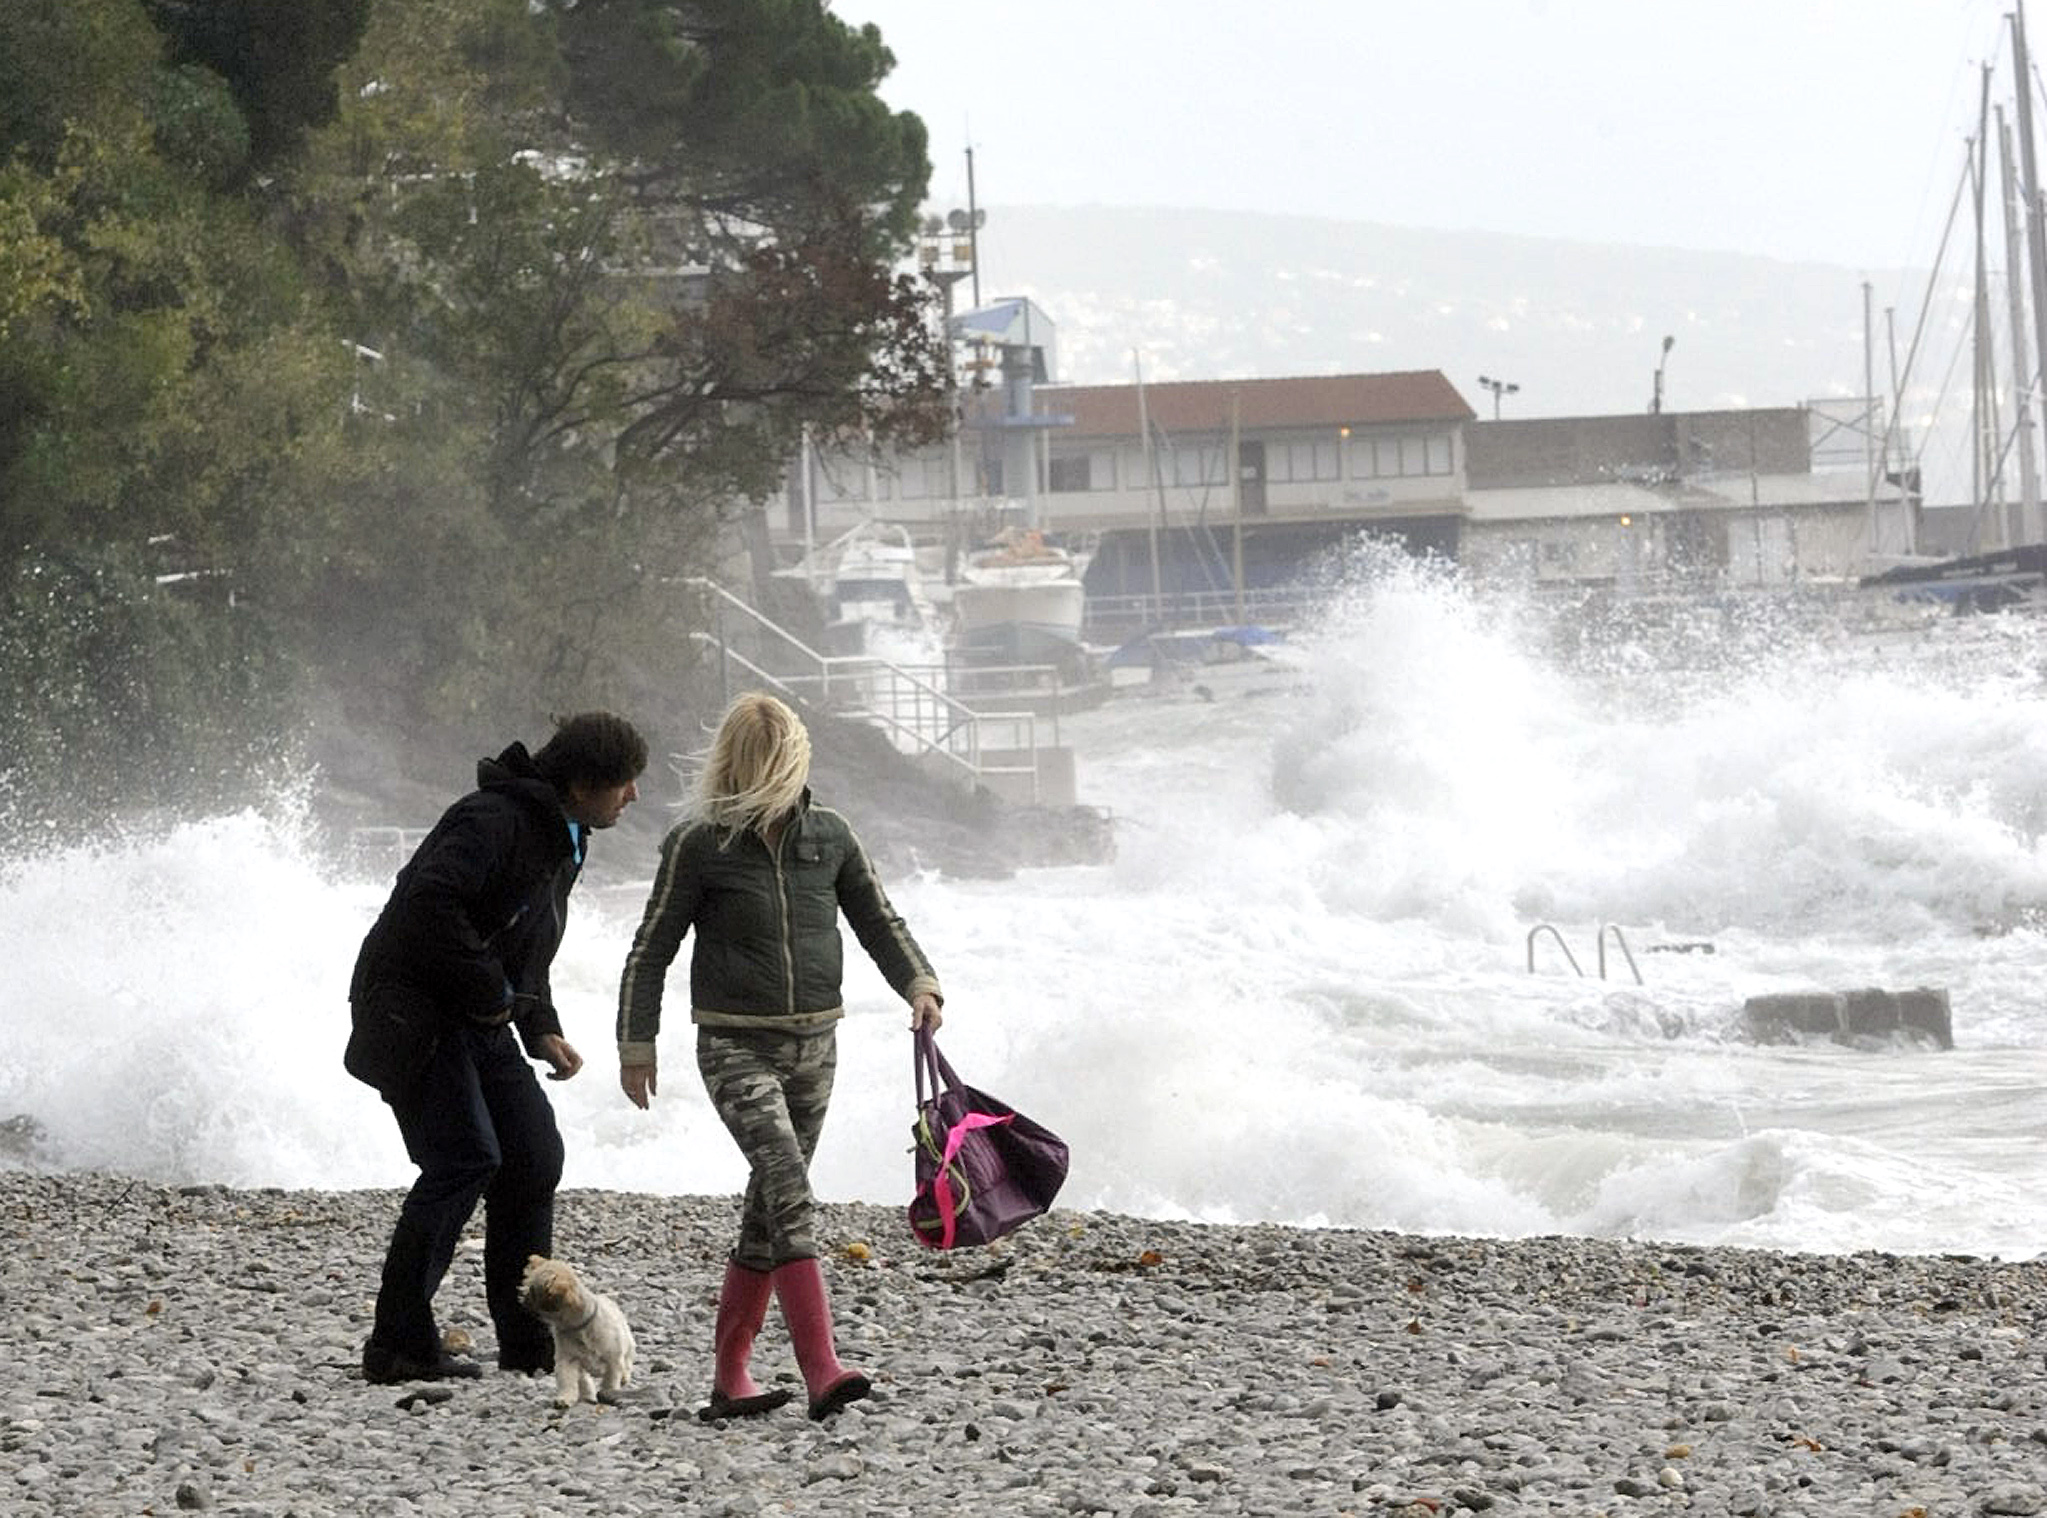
<point x="1612" y="928"/>
<point x="918" y="715"/>
<point x="1550" y="928"/>
<point x="1620" y="943"/>
<point x="1041" y="689"/>
<point x="1114" y="618"/>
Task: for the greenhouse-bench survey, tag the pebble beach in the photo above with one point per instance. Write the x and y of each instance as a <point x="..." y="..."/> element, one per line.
<point x="196" y="1349"/>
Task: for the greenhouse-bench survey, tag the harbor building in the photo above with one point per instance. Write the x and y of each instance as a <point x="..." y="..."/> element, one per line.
<point x="1213" y="500"/>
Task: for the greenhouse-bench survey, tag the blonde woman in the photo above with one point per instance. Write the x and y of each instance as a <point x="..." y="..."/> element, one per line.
<point x="762" y="874"/>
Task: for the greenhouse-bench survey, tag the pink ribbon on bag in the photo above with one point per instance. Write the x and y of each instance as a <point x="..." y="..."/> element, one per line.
<point x="941" y="1188"/>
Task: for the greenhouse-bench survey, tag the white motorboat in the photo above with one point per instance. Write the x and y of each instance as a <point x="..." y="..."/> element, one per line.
<point x="1018" y="601"/>
<point x="872" y="594"/>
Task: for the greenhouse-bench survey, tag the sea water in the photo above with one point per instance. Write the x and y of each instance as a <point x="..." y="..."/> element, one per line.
<point x="1305" y="990"/>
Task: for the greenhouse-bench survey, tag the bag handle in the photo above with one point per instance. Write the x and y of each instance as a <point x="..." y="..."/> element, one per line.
<point x="932" y="1072"/>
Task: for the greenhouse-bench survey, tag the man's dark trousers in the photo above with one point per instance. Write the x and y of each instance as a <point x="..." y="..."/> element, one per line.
<point x="478" y="1125"/>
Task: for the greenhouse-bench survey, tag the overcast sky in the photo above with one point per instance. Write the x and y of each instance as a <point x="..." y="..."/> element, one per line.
<point x="1829" y="131"/>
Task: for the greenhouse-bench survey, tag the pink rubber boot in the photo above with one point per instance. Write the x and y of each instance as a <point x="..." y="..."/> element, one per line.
<point x="742" y="1308"/>
<point x="799" y="1284"/>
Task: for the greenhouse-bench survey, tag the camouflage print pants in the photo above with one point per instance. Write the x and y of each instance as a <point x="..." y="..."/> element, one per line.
<point x="771" y="1090"/>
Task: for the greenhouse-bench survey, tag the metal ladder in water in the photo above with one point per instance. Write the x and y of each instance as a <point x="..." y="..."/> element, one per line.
<point x="1613" y="928"/>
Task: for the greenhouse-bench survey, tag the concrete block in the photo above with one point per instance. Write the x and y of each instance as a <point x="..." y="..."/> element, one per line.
<point x="1784" y="1017"/>
<point x="1869" y="1014"/>
<point x="1044" y="775"/>
<point x="1925" y="1010"/>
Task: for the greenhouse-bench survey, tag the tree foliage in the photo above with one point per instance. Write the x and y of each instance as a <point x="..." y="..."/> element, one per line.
<point x="397" y="356"/>
<point x="277" y="60"/>
<point x="745" y="108"/>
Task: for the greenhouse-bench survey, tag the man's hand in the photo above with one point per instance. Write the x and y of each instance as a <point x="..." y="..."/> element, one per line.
<point x="924" y="1012"/>
<point x="561" y="1054"/>
<point x="637" y="1081"/>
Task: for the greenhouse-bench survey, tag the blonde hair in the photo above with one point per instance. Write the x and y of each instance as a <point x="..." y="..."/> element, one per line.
<point x="757" y="767"/>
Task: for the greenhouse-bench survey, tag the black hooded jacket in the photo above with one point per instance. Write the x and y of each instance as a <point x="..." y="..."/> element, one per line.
<point x="477" y="913"/>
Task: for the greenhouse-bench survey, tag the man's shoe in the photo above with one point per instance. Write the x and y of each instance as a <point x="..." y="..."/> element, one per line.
<point x="528" y="1362"/>
<point x="387" y="1367"/>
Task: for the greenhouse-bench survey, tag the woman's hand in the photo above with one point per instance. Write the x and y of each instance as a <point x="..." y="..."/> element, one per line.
<point x="924" y="1012"/>
<point x="638" y="1083"/>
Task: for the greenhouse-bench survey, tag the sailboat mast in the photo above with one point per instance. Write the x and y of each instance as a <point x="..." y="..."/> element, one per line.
<point x="1151" y="470"/>
<point x="973" y="231"/>
<point x="1869" y="422"/>
<point x="2036" y="234"/>
<point x="2028" y="526"/>
<point x="1984" y="426"/>
<point x="1237" y="502"/>
<point x="809" y="497"/>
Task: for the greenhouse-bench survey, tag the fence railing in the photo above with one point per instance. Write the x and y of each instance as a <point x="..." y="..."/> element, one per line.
<point x="1113" y="619"/>
<point x="919" y="715"/>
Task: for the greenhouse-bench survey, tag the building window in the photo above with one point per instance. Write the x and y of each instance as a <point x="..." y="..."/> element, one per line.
<point x="1198" y="464"/>
<point x="1392" y="458"/>
<point x="846" y="479"/>
<point x="1073" y="472"/>
<point x="920" y="479"/>
<point x="1303" y="459"/>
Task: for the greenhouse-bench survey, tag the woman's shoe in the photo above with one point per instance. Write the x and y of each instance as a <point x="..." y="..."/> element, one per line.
<point x="742" y="1308"/>
<point x="800" y="1286"/>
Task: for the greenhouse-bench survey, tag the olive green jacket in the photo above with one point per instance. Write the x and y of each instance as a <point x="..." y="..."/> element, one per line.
<point x="768" y="952"/>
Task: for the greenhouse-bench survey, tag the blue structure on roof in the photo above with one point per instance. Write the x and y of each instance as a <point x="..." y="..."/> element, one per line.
<point x="1014" y="336"/>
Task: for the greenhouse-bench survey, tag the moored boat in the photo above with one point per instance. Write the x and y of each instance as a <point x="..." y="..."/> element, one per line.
<point x="1019" y="601"/>
<point x="872" y="594"/>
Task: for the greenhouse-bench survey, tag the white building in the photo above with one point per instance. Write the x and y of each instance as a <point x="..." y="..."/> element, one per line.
<point x="1182" y="492"/>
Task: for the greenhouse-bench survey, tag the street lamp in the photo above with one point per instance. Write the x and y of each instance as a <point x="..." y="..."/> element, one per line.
<point x="1498" y="388"/>
<point x="1656" y="400"/>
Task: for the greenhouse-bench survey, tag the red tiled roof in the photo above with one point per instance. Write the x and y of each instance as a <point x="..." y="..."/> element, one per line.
<point x="1331" y="400"/>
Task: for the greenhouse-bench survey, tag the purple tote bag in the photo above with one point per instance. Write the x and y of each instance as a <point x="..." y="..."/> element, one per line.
<point x="983" y="1168"/>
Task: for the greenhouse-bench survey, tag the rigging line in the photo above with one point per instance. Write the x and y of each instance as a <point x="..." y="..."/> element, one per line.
<point x="1960" y="84"/>
<point x="1925" y="308"/>
<point x="1947" y="379"/>
<point x="2007" y="439"/>
<point x="1940" y="397"/>
<point x="1208" y="552"/>
<point x="1200" y="528"/>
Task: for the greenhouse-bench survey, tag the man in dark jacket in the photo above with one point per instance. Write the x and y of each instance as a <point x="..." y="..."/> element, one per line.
<point x="457" y="960"/>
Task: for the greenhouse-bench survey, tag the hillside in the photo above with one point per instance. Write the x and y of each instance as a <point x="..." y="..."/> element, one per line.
<point x="1578" y="326"/>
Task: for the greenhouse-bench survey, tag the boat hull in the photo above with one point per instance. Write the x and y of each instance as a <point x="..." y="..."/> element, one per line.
<point x="1018" y="622"/>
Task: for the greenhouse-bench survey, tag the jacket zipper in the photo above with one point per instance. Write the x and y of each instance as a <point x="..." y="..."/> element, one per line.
<point x="787" y="936"/>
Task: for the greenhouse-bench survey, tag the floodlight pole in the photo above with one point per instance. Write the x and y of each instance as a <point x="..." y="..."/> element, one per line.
<point x="973" y="231"/>
<point x="1656" y="400"/>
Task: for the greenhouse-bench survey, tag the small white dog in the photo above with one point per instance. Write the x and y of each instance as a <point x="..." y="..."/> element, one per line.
<point x="593" y="1348"/>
